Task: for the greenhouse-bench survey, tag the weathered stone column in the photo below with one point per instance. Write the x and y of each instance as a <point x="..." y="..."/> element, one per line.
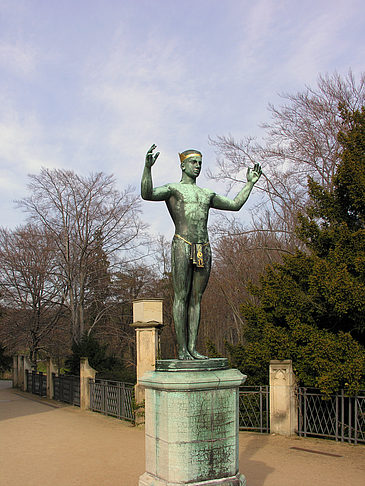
<point x="283" y="406"/>
<point x="15" y="371"/>
<point x="192" y="424"/>
<point x="20" y="371"/>
<point x="86" y="372"/>
<point x="51" y="369"/>
<point x="25" y="365"/>
<point x="147" y="321"/>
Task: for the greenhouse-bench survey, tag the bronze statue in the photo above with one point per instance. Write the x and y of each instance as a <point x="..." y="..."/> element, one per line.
<point x="189" y="206"/>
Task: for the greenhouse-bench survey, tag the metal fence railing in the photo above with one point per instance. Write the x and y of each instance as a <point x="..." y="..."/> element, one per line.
<point x="338" y="417"/>
<point x="36" y="383"/>
<point x="113" y="398"/>
<point x="66" y="388"/>
<point x="254" y="408"/>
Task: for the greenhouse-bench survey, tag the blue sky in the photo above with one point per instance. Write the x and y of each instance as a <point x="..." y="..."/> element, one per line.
<point x="89" y="85"/>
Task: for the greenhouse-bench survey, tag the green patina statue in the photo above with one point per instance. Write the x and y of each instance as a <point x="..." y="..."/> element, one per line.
<point x="189" y="206"/>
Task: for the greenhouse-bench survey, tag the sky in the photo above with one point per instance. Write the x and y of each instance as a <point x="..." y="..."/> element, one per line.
<point x="89" y="85"/>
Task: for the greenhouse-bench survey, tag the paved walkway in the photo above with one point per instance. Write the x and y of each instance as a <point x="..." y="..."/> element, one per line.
<point x="43" y="443"/>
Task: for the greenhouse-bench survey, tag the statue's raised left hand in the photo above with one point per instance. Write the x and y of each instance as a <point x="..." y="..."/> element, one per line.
<point x="253" y="175"/>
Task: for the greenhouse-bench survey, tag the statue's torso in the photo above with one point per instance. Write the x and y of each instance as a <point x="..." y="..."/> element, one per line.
<point x="189" y="206"/>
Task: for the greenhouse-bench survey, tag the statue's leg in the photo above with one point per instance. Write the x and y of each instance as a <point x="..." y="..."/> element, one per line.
<point x="181" y="278"/>
<point x="200" y="281"/>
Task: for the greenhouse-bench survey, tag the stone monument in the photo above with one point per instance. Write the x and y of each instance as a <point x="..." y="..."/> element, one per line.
<point x="191" y="404"/>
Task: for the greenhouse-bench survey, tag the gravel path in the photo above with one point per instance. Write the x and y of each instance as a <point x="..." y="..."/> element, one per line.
<point x="44" y="443"/>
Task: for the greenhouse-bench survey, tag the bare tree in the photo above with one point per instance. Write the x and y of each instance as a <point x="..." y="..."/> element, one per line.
<point x="164" y="290"/>
<point x="238" y="261"/>
<point x="133" y="282"/>
<point x="300" y="141"/>
<point x="30" y="290"/>
<point x="84" y="215"/>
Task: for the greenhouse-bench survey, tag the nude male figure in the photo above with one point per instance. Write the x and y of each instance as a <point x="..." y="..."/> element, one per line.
<point x="189" y="207"/>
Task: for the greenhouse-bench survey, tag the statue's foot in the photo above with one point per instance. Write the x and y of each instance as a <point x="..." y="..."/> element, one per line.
<point x="194" y="353"/>
<point x="184" y="354"/>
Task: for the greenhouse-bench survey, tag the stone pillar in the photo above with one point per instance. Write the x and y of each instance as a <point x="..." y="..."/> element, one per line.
<point x="147" y="321"/>
<point x="26" y="365"/>
<point x="283" y="404"/>
<point x="192" y="424"/>
<point x="86" y="372"/>
<point x="15" y="371"/>
<point x="20" y="371"/>
<point x="51" y="369"/>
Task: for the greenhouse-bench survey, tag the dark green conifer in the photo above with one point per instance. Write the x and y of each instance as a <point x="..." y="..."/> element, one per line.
<point x="312" y="306"/>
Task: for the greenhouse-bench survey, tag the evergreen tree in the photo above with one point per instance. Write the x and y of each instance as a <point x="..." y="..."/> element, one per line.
<point x="334" y="231"/>
<point x="311" y="307"/>
<point x="5" y="360"/>
<point x="89" y="347"/>
<point x="108" y="366"/>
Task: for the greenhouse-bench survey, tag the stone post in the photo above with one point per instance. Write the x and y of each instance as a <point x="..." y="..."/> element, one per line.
<point x="283" y="406"/>
<point x="20" y="371"/>
<point x="25" y="365"/>
<point x="147" y="321"/>
<point x="51" y="369"/>
<point x="15" y="371"/>
<point x="86" y="372"/>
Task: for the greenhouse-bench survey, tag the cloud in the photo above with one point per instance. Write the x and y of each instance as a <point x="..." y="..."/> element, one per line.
<point x="318" y="41"/>
<point x="257" y="29"/>
<point x="143" y="95"/>
<point x="18" y="156"/>
<point x="94" y="92"/>
<point x="258" y="22"/>
<point x="150" y="81"/>
<point x="23" y="144"/>
<point x="24" y="148"/>
<point x="18" y="58"/>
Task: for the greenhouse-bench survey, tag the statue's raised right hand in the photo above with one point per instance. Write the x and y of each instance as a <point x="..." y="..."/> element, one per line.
<point x="151" y="157"/>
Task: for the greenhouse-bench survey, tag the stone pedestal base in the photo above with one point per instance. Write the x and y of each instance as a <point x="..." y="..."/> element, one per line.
<point x="238" y="480"/>
<point x="192" y="428"/>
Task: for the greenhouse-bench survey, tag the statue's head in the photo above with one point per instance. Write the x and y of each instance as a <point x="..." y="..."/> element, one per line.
<point x="191" y="161"/>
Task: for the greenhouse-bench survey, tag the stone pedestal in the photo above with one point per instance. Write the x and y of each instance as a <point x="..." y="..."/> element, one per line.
<point x="192" y="424"/>
<point x="283" y="406"/>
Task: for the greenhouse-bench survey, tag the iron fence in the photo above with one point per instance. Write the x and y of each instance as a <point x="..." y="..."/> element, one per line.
<point x="254" y="408"/>
<point x="36" y="383"/>
<point x="113" y="398"/>
<point x="66" y="388"/>
<point x="338" y="417"/>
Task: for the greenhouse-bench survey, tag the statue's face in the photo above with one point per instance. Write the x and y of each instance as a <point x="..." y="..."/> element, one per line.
<point x="192" y="166"/>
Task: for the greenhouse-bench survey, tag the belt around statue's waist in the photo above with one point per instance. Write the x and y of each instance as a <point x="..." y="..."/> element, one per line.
<point x="189" y="242"/>
<point x="196" y="251"/>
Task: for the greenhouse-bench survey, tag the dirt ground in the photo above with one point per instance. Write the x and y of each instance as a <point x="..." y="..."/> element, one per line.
<point x="44" y="443"/>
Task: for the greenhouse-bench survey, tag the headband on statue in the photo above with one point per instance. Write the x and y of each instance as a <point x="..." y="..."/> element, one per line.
<point x="186" y="156"/>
